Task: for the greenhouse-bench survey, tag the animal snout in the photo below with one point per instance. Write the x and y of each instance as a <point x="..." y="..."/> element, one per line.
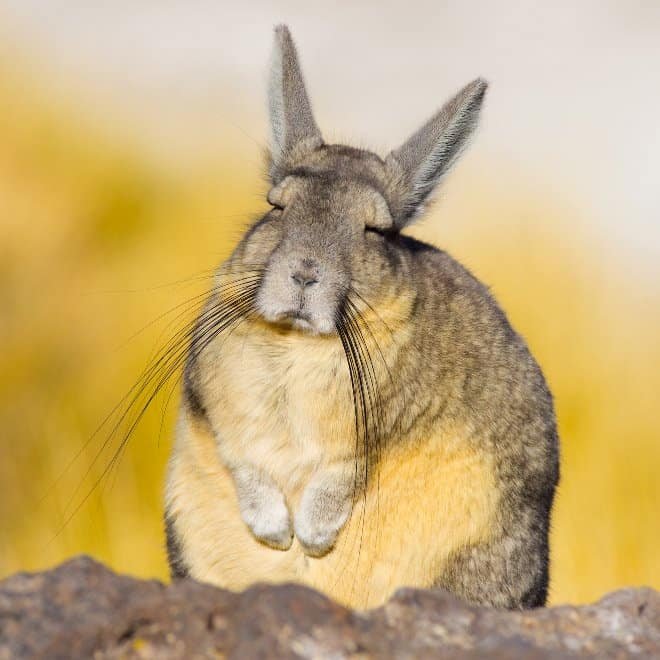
<point x="303" y="280"/>
<point x="305" y="274"/>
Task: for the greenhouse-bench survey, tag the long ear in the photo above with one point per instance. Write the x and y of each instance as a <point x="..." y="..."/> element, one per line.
<point x="291" y="118"/>
<point x="428" y="154"/>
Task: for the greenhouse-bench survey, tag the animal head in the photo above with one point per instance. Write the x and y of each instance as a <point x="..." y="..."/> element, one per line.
<point x="337" y="211"/>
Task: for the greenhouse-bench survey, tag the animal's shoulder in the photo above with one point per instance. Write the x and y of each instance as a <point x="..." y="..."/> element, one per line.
<point x="444" y="284"/>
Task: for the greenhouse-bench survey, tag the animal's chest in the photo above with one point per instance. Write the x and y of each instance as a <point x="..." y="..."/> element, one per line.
<point x="284" y="405"/>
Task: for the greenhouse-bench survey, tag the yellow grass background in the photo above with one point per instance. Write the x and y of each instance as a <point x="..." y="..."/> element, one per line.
<point x="90" y="231"/>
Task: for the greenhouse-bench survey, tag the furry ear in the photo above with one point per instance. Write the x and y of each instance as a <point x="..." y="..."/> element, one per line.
<point x="421" y="162"/>
<point x="291" y="118"/>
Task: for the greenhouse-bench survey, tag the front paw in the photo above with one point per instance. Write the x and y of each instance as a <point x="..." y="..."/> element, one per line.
<point x="315" y="542"/>
<point x="316" y="536"/>
<point x="270" y="523"/>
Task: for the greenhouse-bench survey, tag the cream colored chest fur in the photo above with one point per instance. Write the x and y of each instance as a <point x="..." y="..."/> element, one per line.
<point x="287" y="407"/>
<point x="280" y="402"/>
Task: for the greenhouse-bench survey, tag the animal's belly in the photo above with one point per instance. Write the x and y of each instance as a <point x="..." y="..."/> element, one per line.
<point x="286" y="410"/>
<point x="423" y="505"/>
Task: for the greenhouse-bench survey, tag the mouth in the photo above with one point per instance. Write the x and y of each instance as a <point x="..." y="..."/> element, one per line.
<point x="298" y="315"/>
<point x="293" y="319"/>
<point x="302" y="321"/>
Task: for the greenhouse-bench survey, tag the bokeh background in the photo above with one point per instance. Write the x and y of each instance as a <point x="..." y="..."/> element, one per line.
<point x="131" y="140"/>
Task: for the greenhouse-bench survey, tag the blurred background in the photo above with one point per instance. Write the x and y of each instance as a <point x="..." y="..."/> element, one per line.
<point x="131" y="159"/>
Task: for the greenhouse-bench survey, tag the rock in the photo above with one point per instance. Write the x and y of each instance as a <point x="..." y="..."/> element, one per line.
<point x="83" y="610"/>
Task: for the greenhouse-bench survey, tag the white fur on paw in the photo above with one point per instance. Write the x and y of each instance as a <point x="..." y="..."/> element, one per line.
<point x="270" y="524"/>
<point x="316" y="539"/>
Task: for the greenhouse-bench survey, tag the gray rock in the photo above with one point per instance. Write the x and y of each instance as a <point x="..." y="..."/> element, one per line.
<point x="83" y="610"/>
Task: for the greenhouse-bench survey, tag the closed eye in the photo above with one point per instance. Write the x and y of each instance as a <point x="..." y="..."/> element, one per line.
<point x="376" y="230"/>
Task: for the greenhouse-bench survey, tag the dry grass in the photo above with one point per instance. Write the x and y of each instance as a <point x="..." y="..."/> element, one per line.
<point x="87" y="230"/>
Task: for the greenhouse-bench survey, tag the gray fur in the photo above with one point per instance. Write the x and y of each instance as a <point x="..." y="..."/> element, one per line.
<point x="263" y="507"/>
<point x="431" y="151"/>
<point x="323" y="510"/>
<point x="178" y="568"/>
<point x="291" y="116"/>
<point x="334" y="230"/>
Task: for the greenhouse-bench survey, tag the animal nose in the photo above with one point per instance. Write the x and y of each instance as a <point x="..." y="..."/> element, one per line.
<point x="305" y="272"/>
<point x="304" y="279"/>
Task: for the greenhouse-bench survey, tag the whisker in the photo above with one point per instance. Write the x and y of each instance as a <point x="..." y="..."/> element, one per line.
<point x="191" y="302"/>
<point x="366" y="303"/>
<point x="202" y="275"/>
<point x="170" y="356"/>
<point x="187" y="343"/>
<point x="375" y="400"/>
<point x="116" y="458"/>
<point x="361" y="419"/>
<point x="362" y="320"/>
<point x="358" y="341"/>
<point x="227" y="287"/>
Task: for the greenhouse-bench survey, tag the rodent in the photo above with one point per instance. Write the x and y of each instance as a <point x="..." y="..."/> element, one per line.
<point x="357" y="412"/>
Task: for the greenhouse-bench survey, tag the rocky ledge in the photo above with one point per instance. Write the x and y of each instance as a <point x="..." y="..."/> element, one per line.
<point x="83" y="610"/>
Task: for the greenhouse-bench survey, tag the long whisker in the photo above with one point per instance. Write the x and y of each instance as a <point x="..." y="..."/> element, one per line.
<point x="231" y="322"/>
<point x="202" y="275"/>
<point x="360" y="345"/>
<point x="170" y="356"/>
<point x="233" y="304"/>
<point x="180" y="335"/>
<point x="368" y="376"/>
<point x="343" y="332"/>
<point x="361" y="411"/>
<point x="190" y="303"/>
<point x="358" y="295"/>
<point x="362" y="321"/>
<point x="379" y="419"/>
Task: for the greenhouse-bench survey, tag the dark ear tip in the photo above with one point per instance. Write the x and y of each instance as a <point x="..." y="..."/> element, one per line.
<point x="479" y="86"/>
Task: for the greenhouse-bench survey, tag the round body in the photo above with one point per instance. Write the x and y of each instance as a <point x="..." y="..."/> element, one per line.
<point x="460" y="489"/>
<point x="357" y="413"/>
